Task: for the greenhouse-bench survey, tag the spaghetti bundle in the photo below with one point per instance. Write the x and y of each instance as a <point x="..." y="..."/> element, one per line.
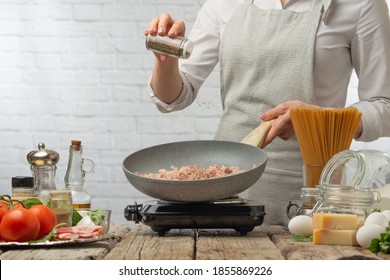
<point x="322" y="133"/>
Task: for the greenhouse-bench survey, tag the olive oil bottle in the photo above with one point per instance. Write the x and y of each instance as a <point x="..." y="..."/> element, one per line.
<point x="75" y="176"/>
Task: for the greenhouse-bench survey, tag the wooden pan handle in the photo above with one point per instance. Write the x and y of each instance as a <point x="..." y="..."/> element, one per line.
<point x="257" y="136"/>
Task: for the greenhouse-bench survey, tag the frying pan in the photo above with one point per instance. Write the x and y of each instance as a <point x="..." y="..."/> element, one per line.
<point x="203" y="153"/>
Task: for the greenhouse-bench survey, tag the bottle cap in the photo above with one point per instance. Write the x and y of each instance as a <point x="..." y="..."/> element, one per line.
<point x="187" y="48"/>
<point x="42" y="156"/>
<point x="75" y="144"/>
<point x="22" y="182"/>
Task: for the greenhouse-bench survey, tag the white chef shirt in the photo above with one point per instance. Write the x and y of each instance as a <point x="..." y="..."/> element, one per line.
<point x="356" y="34"/>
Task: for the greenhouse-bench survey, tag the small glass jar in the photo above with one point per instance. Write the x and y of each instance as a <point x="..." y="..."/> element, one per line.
<point x="60" y="202"/>
<point x="22" y="187"/>
<point x="339" y="199"/>
<point x="179" y="47"/>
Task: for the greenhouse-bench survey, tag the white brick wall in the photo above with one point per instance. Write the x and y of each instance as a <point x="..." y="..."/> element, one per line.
<point x="77" y="69"/>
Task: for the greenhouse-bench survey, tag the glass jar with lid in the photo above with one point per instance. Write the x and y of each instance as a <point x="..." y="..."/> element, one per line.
<point x="340" y="199"/>
<point x="365" y="168"/>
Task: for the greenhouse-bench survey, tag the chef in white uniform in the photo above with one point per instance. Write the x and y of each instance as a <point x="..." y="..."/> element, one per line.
<point x="275" y="55"/>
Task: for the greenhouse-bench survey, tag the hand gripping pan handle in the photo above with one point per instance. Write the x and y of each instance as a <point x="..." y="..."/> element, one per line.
<point x="257" y="136"/>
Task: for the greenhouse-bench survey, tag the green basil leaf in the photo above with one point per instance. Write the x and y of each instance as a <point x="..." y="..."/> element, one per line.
<point x="374" y="245"/>
<point x="49" y="236"/>
<point x="76" y="217"/>
<point x="300" y="238"/>
<point x="31" y="202"/>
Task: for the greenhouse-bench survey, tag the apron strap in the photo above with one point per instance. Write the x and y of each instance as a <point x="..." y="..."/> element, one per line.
<point x="325" y="10"/>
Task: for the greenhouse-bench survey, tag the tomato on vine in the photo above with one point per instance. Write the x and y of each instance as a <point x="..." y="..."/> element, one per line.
<point x="46" y="217"/>
<point x="19" y="225"/>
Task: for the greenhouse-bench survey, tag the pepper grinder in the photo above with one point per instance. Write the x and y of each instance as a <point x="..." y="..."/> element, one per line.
<point x="43" y="167"/>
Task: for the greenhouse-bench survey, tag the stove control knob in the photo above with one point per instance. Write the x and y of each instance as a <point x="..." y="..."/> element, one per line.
<point x="132" y="213"/>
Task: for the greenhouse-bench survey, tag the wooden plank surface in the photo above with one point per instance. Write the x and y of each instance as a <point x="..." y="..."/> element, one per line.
<point x="142" y="243"/>
<point x="293" y="250"/>
<point x="90" y="251"/>
<point x="230" y="245"/>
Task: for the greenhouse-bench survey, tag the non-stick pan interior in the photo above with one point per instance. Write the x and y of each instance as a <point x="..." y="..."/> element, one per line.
<point x="203" y="153"/>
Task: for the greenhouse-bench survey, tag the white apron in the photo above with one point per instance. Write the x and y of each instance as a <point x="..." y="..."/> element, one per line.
<point x="266" y="58"/>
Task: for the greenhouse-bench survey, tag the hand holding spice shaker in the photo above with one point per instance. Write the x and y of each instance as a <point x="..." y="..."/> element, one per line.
<point x="167" y="36"/>
<point x="179" y="47"/>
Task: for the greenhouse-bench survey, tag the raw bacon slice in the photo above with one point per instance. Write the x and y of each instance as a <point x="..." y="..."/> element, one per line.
<point x="78" y="232"/>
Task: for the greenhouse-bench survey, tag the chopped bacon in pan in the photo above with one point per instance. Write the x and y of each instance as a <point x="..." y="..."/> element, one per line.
<point x="77" y="232"/>
<point x="193" y="172"/>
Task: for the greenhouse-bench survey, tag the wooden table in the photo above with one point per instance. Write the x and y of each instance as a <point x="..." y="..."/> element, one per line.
<point x="141" y="243"/>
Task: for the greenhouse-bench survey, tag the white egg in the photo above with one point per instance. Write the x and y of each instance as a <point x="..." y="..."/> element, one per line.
<point x="378" y="219"/>
<point x="387" y="214"/>
<point x="367" y="233"/>
<point x="301" y="225"/>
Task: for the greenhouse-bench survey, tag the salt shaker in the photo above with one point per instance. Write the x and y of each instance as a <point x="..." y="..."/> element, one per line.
<point x="179" y="47"/>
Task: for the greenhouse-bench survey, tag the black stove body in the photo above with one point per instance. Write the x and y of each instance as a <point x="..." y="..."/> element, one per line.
<point x="161" y="216"/>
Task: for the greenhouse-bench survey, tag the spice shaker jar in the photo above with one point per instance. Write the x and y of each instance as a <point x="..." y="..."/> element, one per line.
<point x="43" y="166"/>
<point x="179" y="47"/>
<point x="22" y="187"/>
<point x="60" y="202"/>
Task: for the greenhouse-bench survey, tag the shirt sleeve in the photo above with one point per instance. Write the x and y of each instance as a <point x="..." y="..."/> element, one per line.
<point x="205" y="36"/>
<point x="370" y="54"/>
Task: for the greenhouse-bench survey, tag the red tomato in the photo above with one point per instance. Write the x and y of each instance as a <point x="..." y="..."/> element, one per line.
<point x="19" y="225"/>
<point x="3" y="209"/>
<point x="46" y="217"/>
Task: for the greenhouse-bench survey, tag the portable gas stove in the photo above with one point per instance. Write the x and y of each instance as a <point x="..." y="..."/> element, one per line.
<point x="162" y="216"/>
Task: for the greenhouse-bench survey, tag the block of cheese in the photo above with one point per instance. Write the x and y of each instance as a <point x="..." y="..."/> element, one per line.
<point x="335" y="237"/>
<point x="331" y="221"/>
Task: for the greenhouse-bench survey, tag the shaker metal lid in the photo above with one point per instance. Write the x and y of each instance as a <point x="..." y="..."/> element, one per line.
<point x="42" y="156"/>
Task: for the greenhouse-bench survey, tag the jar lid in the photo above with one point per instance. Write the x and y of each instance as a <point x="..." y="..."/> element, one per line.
<point x="22" y="182"/>
<point x="43" y="156"/>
